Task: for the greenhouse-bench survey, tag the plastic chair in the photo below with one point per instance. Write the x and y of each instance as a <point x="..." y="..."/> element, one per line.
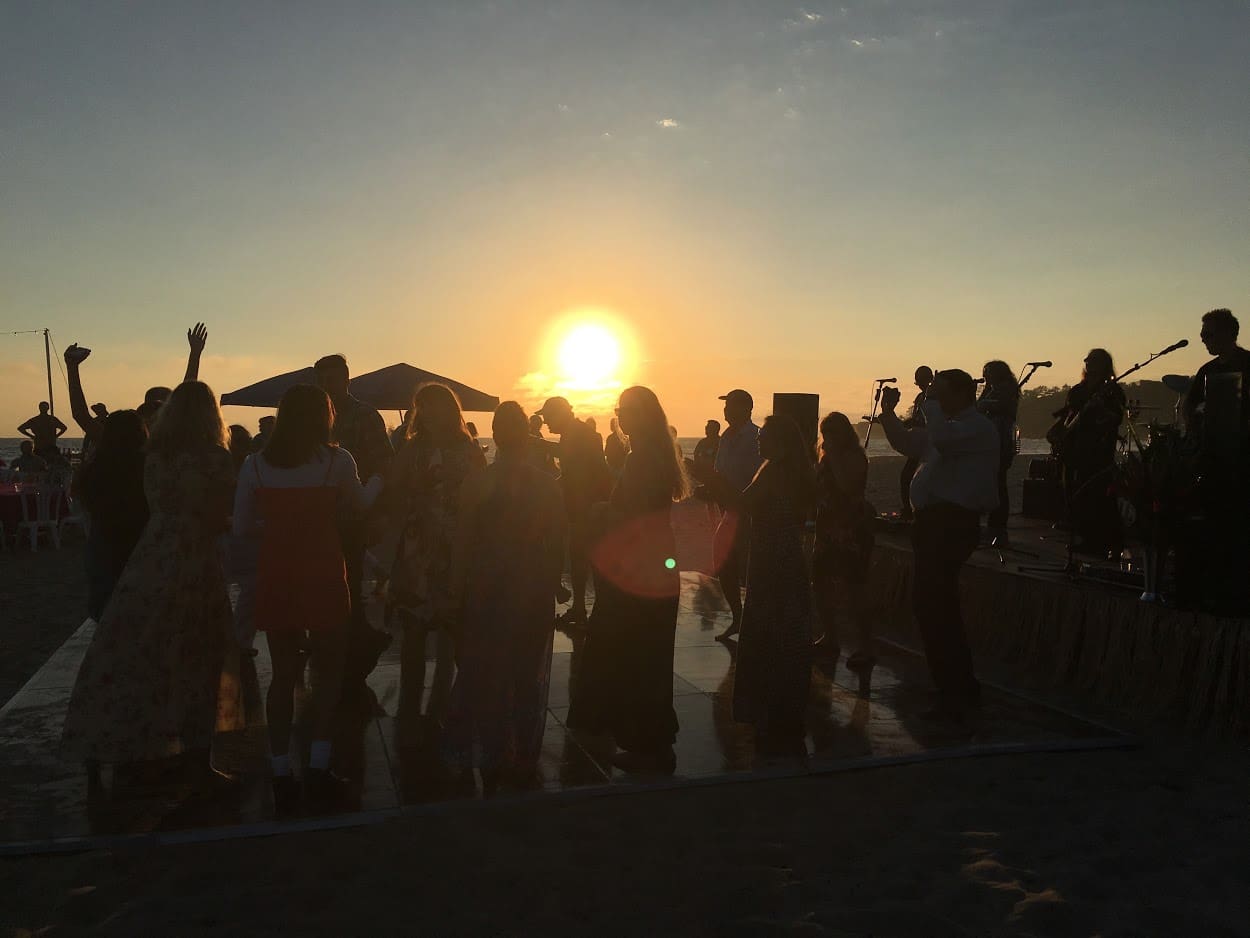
<point x="47" y="516"/>
<point x="76" y="517"/>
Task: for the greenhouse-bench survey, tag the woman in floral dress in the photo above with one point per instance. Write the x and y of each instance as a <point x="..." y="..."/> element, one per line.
<point x="506" y="570"/>
<point x="161" y="673"/>
<point x="424" y="487"/>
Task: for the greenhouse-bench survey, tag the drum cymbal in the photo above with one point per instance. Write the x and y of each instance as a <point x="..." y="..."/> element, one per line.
<point x="1178" y="383"/>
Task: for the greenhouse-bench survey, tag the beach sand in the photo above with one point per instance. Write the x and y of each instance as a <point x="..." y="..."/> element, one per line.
<point x="1152" y="841"/>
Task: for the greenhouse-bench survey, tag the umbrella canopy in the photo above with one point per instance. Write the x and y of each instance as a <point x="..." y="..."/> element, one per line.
<point x="388" y="388"/>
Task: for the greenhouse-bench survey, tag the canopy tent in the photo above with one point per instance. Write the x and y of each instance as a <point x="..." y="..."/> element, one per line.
<point x="388" y="388"/>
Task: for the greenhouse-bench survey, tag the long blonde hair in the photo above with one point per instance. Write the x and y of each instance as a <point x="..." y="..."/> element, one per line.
<point x="189" y="422"/>
<point x="652" y="431"/>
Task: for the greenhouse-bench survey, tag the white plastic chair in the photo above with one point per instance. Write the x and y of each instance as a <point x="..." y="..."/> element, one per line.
<point x="76" y="517"/>
<point x="47" y="516"/>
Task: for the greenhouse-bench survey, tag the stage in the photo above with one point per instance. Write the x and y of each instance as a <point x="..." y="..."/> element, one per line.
<point x="1097" y="643"/>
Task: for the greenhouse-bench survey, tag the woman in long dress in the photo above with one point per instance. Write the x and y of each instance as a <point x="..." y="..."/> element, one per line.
<point x="772" y="675"/>
<point x="1000" y="401"/>
<point x="424" y="487"/>
<point x="625" y="682"/>
<point x="148" y="687"/>
<point x="290" y="498"/>
<point x="509" y="555"/>
<point x="844" y="542"/>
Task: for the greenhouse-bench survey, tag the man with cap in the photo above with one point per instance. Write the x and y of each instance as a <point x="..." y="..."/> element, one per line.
<point x="585" y="480"/>
<point x="737" y="460"/>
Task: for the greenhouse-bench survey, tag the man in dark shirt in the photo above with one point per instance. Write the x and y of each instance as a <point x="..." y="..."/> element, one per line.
<point x="44" y="430"/>
<point x="1214" y="553"/>
<point x="585" y="480"/>
<point x="705" y="450"/>
<point x="361" y="431"/>
<point x="1219" y="334"/>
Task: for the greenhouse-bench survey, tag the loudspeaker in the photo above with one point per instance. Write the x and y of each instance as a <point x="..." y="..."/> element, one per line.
<point x="803" y="409"/>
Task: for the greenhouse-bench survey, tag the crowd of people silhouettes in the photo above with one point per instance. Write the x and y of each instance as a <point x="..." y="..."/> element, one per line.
<point x="179" y="504"/>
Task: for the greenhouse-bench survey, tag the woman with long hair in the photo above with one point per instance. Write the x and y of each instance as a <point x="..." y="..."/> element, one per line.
<point x="844" y="542"/>
<point x="110" y="488"/>
<point x="1084" y="438"/>
<point x="438" y="455"/>
<point x="149" y="683"/>
<point x="290" y="497"/>
<point x="1000" y="401"/>
<point x="772" y="676"/>
<point x="506" y="567"/>
<point x="624" y="685"/>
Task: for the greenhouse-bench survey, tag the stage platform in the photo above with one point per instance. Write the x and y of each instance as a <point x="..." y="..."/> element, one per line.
<point x="45" y="804"/>
<point x="1089" y="636"/>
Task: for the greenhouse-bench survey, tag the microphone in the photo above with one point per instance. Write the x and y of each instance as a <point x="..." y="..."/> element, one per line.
<point x="1173" y="347"/>
<point x="1038" y="364"/>
<point x="886" y="380"/>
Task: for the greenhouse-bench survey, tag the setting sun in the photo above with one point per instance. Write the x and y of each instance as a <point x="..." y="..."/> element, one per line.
<point x="589" y="356"/>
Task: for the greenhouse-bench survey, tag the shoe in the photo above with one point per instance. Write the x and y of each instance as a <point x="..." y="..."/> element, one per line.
<point x="730" y="632"/>
<point x="861" y="664"/>
<point x="660" y="762"/>
<point x="286" y="796"/>
<point x="324" y="791"/>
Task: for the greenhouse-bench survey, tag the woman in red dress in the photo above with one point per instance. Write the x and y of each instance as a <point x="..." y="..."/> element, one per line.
<point x="290" y="497"/>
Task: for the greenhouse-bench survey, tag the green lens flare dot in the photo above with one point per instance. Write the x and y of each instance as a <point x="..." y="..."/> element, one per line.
<point x="670" y="564"/>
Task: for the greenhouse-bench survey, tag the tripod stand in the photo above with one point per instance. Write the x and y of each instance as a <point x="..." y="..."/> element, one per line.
<point x="876" y="400"/>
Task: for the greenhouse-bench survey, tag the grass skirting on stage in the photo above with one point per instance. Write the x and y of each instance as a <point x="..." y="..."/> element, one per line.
<point x="1188" y="669"/>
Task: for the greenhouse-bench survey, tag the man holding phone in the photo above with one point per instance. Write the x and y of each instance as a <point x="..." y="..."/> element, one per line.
<point x="955" y="483"/>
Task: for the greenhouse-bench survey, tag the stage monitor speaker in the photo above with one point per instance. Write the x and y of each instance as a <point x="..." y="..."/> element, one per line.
<point x="1042" y="499"/>
<point x="803" y="409"/>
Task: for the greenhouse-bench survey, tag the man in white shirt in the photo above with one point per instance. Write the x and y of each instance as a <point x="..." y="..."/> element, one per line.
<point x="956" y="483"/>
<point x="737" y="459"/>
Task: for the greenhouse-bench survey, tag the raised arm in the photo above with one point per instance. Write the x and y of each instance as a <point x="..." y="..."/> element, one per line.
<point x="74" y="357"/>
<point x="909" y="441"/>
<point x="26" y="431"/>
<point x="60" y="427"/>
<point x="197" y="338"/>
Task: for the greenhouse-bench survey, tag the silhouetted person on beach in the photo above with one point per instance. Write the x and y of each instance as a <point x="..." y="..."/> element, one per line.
<point x="1084" y="438"/>
<point x="29" y="462"/>
<point x="915" y="418"/>
<point x="241" y="445"/>
<point x="290" y="498"/>
<point x="624" y="687"/>
<point x="706" y="449"/>
<point x="1000" y="401"/>
<point x="615" y="448"/>
<point x="360" y="430"/>
<point x="956" y="482"/>
<point x="43" y="430"/>
<point x="844" y="540"/>
<point x="585" y="480"/>
<point x="772" y="674"/>
<point x="506" y="566"/>
<point x="540" y="453"/>
<point x="264" y="428"/>
<point x="1214" y="554"/>
<point x="737" y="460"/>
<point x="110" y="488"/>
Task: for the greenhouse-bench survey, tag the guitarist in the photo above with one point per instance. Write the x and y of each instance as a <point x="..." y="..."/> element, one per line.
<point x="1084" y="438"/>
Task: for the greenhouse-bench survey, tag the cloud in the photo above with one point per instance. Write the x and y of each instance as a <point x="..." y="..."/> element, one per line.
<point x="803" y="20"/>
<point x="668" y="123"/>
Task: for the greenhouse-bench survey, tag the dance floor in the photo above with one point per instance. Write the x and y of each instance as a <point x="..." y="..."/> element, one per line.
<point x="45" y="804"/>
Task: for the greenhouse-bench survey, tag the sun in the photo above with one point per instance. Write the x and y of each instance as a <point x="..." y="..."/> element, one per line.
<point x="589" y="356"/>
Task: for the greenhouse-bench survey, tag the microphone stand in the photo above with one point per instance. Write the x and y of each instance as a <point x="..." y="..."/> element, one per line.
<point x="872" y="417"/>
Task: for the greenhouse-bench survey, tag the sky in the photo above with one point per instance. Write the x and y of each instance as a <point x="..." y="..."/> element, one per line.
<point x="754" y="194"/>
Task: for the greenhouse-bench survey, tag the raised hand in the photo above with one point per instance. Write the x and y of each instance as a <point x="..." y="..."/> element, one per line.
<point x="197" y="338"/>
<point x="75" y="355"/>
<point x="889" y="399"/>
